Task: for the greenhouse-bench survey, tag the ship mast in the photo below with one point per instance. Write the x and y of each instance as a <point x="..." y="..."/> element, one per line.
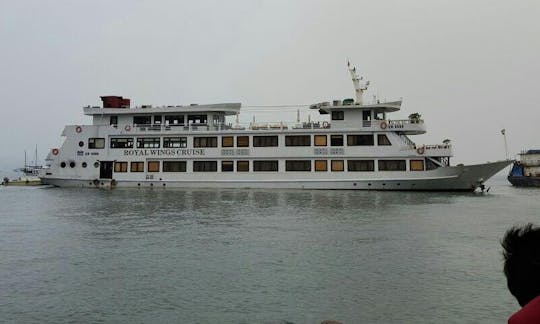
<point x="359" y="87"/>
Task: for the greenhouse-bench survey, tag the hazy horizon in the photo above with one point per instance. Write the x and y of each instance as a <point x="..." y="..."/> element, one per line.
<point x="469" y="68"/>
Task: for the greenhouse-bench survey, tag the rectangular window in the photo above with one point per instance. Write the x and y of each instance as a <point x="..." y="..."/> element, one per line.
<point x="174" y="142"/>
<point x="242" y="166"/>
<point x="204" y="166"/>
<point x="205" y="141"/>
<point x="382" y="139"/>
<point x="392" y="165"/>
<point x="174" y="166"/>
<point x="298" y="165"/>
<point x="158" y="119"/>
<point x="242" y="141"/>
<point x="96" y="143"/>
<point x="265" y="141"/>
<point x="265" y="165"/>
<point x="148" y="142"/>
<point x="174" y="120"/>
<point x="299" y="140"/>
<point x="142" y="120"/>
<point x="227" y="166"/>
<point x="320" y="140"/>
<point x="122" y="142"/>
<point x="137" y="166"/>
<point x="338" y="115"/>
<point x="321" y="165"/>
<point x="153" y="166"/>
<point x="113" y="120"/>
<point x="336" y="140"/>
<point x="360" y="165"/>
<point x="337" y="165"/>
<point x="197" y="119"/>
<point x="417" y="165"/>
<point x="227" y="141"/>
<point x="120" y="166"/>
<point x="360" y="140"/>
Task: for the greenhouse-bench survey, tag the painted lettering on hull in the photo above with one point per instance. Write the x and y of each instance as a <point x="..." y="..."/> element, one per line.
<point x="165" y="152"/>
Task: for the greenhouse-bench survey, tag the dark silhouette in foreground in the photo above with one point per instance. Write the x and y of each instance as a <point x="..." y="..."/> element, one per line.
<point x="521" y="251"/>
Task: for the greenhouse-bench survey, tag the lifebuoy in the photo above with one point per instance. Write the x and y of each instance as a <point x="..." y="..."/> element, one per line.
<point x="325" y="124"/>
<point x="127" y="128"/>
<point x="78" y="129"/>
<point x="383" y="125"/>
<point x="55" y="151"/>
<point x="420" y="150"/>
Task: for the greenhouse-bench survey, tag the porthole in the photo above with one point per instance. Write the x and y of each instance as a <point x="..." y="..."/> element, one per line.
<point x="81" y="143"/>
<point x="96" y="164"/>
<point x="63" y="164"/>
<point x="71" y="164"/>
<point x="84" y="165"/>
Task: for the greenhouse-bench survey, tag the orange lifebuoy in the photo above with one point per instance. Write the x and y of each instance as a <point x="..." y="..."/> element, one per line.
<point x="420" y="150"/>
<point x="383" y="125"/>
<point x="325" y="124"/>
<point x="78" y="129"/>
<point x="127" y="128"/>
<point x="55" y="151"/>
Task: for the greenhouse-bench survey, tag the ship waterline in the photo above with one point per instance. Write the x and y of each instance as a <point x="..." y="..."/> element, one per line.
<point x="353" y="146"/>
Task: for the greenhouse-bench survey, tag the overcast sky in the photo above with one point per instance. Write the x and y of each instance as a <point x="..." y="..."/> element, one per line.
<point x="470" y="68"/>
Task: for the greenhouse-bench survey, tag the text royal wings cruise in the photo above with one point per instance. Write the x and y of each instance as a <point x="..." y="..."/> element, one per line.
<point x="356" y="147"/>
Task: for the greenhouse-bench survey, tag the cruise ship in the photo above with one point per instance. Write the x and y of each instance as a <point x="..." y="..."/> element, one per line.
<point x="354" y="145"/>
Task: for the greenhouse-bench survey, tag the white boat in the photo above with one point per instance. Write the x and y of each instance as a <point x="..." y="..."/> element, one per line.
<point x="354" y="145"/>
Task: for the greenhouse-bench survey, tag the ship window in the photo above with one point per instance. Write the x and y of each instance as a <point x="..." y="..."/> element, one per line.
<point x="96" y="164"/>
<point x="120" y="166"/>
<point x="417" y="165"/>
<point x="142" y="120"/>
<point x="242" y="141"/>
<point x="338" y="115"/>
<point x="300" y="165"/>
<point x="197" y="119"/>
<point x="205" y="142"/>
<point x="360" y="165"/>
<point x="337" y="165"/>
<point x="96" y="143"/>
<point x="81" y="143"/>
<point x="148" y="142"/>
<point x="265" y="141"/>
<point x="84" y="164"/>
<point x="174" y="142"/>
<point x="113" y="120"/>
<point x="362" y="140"/>
<point x="153" y="166"/>
<point x="137" y="166"/>
<point x="379" y="115"/>
<point x="242" y="166"/>
<point x="265" y="165"/>
<point x="204" y="166"/>
<point x="336" y="140"/>
<point x="174" y="166"/>
<point x="382" y="139"/>
<point x="300" y="140"/>
<point x="63" y="164"/>
<point x="321" y="165"/>
<point x="174" y="120"/>
<point x="320" y="140"/>
<point x="71" y="164"/>
<point x="227" y="141"/>
<point x="157" y="119"/>
<point x="392" y="165"/>
<point x="227" y="166"/>
<point x="122" y="142"/>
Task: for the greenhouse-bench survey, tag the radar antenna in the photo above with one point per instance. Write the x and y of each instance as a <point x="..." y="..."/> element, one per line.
<point x="359" y="87"/>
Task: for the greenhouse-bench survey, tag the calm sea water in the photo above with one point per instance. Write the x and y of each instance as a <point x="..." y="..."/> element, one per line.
<point x="256" y="256"/>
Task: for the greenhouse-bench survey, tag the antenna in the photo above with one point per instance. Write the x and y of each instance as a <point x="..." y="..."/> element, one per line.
<point x="503" y="132"/>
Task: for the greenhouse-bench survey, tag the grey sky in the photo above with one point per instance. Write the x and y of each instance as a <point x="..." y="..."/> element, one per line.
<point x="469" y="67"/>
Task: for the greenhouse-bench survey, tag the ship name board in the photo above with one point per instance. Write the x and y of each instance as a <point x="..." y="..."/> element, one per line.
<point x="165" y="152"/>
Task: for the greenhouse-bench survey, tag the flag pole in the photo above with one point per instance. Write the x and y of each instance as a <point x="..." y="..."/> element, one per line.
<point x="503" y="132"/>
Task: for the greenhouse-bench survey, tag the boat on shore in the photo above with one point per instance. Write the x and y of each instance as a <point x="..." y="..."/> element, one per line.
<point x="525" y="171"/>
<point x="353" y="145"/>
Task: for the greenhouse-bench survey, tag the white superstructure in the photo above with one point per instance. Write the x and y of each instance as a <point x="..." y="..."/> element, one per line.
<point x="357" y="147"/>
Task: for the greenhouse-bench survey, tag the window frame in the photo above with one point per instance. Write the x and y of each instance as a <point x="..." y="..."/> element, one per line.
<point x="92" y="143"/>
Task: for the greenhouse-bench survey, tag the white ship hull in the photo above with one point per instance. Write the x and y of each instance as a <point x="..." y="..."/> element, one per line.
<point x="455" y="178"/>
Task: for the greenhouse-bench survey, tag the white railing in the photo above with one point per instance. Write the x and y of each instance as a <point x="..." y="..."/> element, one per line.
<point x="226" y="126"/>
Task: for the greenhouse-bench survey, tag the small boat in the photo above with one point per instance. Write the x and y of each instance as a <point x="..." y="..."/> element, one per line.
<point x="525" y="171"/>
<point x="30" y="175"/>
